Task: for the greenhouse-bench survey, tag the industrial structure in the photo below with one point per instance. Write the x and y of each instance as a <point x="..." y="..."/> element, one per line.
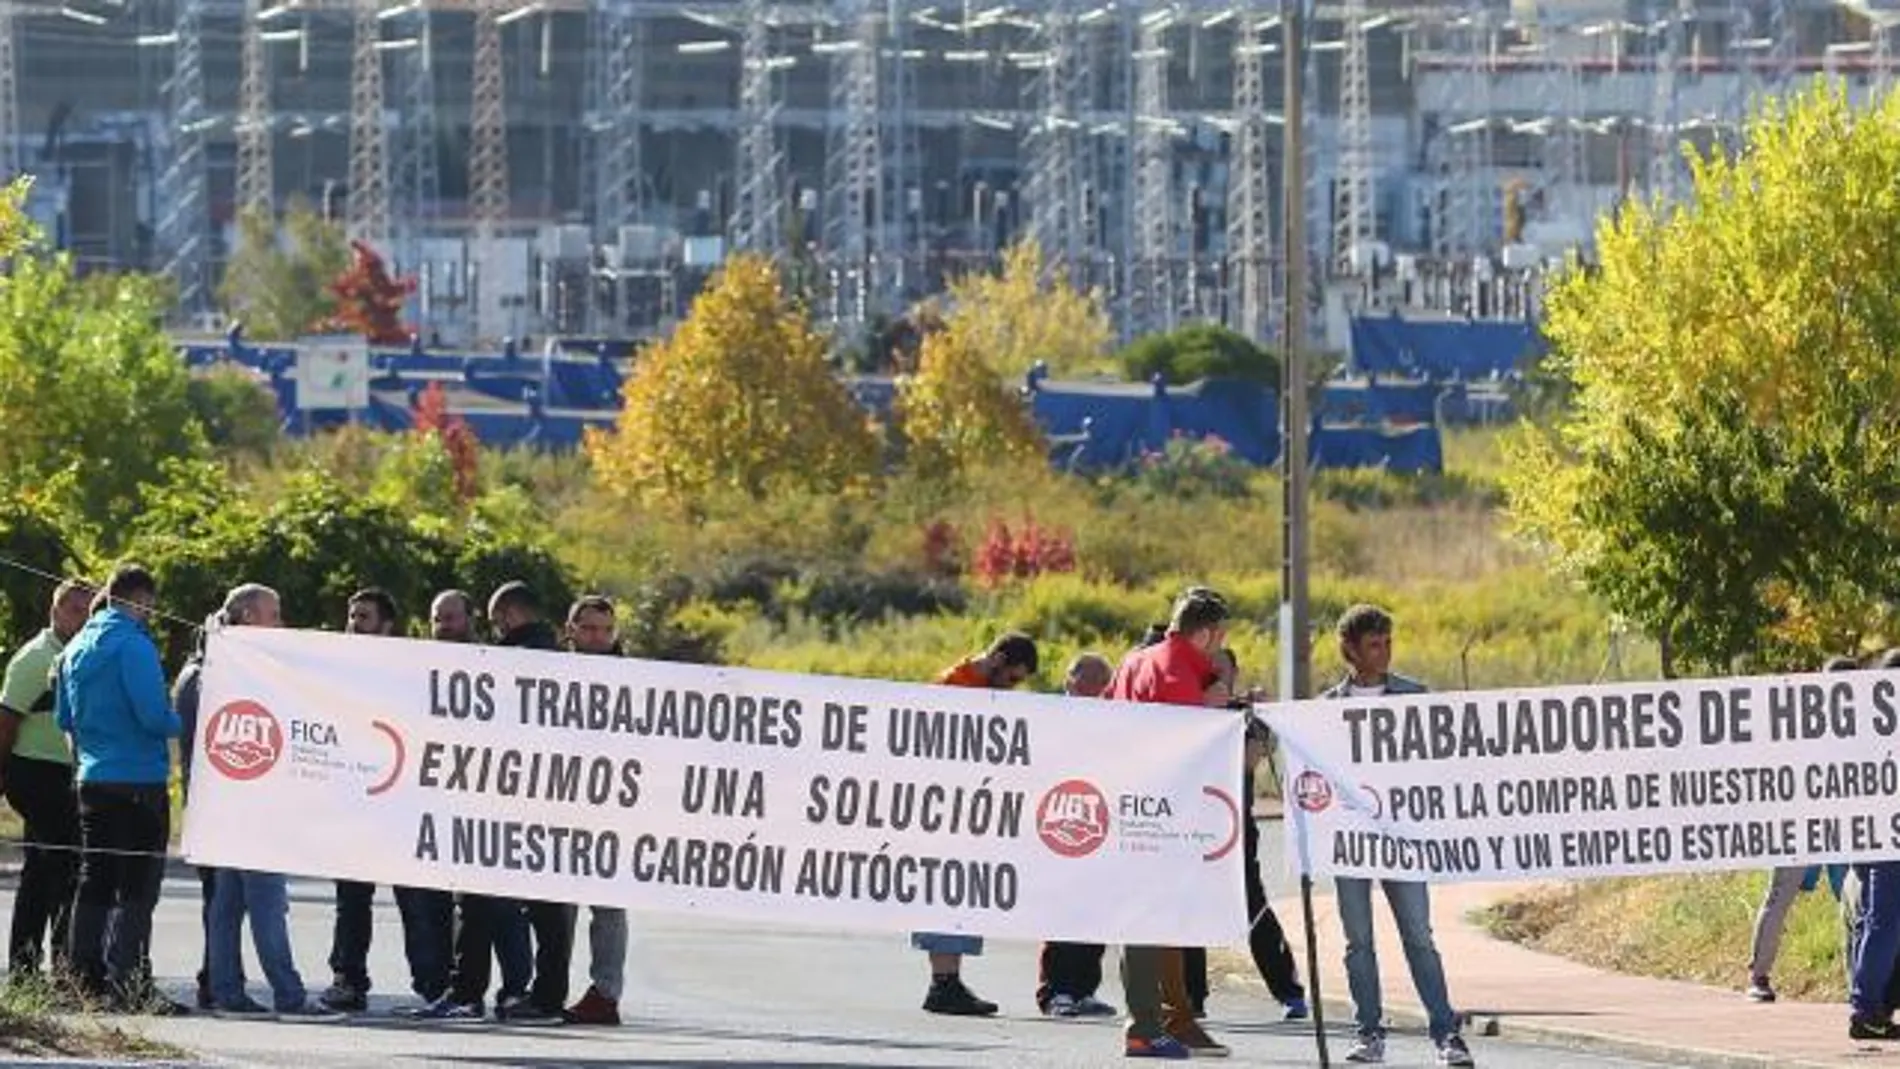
<point x="564" y="166"/>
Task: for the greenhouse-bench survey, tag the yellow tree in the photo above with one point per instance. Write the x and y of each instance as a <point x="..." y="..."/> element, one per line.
<point x="958" y="414"/>
<point x="740" y="398"/>
<point x="1726" y="474"/>
<point x="1017" y="319"/>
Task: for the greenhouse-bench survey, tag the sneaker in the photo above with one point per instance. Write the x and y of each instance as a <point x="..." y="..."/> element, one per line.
<point x="1296" y="1010"/>
<point x="1760" y="990"/>
<point x="248" y="1010"/>
<point x="1060" y="1006"/>
<point x="447" y="1010"/>
<point x="308" y="1013"/>
<point x="1860" y="1028"/>
<point x="1452" y="1051"/>
<point x="594" y="1008"/>
<point x="1090" y="1006"/>
<point x="948" y="996"/>
<point x="1159" y="1047"/>
<point x="1202" y="1045"/>
<point x="1367" y="1050"/>
<point x="344" y="998"/>
<point x="525" y="1013"/>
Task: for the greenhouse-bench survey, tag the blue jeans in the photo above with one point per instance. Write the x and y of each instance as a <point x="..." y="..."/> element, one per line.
<point x="1877" y="940"/>
<point x="942" y="943"/>
<point x="266" y="898"/>
<point x="1412" y="911"/>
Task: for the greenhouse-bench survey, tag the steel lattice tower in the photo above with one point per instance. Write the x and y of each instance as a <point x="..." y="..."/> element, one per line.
<point x="1355" y="219"/>
<point x="1564" y="169"/>
<point x="1783" y="41"/>
<point x="488" y="164"/>
<point x="415" y="174"/>
<point x="1468" y="223"/>
<point x="1057" y="184"/>
<point x="1250" y="260"/>
<point x="1151" y="271"/>
<point x="1880" y="54"/>
<point x="758" y="215"/>
<point x="857" y="211"/>
<point x="256" y="189"/>
<point x="368" y="212"/>
<point x="617" y="169"/>
<point x="1665" y="160"/>
<point x="184" y="217"/>
<point x="11" y="156"/>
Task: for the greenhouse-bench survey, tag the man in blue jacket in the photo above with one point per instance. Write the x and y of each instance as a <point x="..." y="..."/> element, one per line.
<point x="112" y="700"/>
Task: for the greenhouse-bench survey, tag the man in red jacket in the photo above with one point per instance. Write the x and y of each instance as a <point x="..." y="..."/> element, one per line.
<point x="1178" y="670"/>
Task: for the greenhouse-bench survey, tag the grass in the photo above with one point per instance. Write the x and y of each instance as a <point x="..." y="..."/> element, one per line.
<point x="33" y="1024"/>
<point x="1694" y="928"/>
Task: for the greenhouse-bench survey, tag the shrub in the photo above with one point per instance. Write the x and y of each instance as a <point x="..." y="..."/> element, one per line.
<point x="1028" y="551"/>
<point x="1196" y="352"/>
<point x="237" y="409"/>
<point x="1188" y="467"/>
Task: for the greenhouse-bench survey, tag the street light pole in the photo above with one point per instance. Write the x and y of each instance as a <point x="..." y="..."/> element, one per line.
<point x="1295" y="651"/>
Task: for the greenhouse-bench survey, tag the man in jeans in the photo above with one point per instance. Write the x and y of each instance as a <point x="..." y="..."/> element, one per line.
<point x="1008" y="662"/>
<point x="591" y="630"/>
<point x="1365" y="642"/>
<point x="38" y="774"/>
<point x="1178" y="670"/>
<point x="111" y="700"/>
<point x="265" y="896"/>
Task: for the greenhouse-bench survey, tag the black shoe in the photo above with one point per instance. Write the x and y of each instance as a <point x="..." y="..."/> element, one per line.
<point x="1858" y="1028"/>
<point x="949" y="997"/>
<point x="344" y="998"/>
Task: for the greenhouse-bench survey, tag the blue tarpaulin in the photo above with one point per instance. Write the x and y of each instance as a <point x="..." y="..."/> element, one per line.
<point x="1442" y="350"/>
<point x="1407" y="452"/>
<point x="1113" y="424"/>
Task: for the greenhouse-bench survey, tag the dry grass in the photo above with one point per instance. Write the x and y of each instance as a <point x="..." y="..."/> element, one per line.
<point x="1694" y="928"/>
<point x="34" y="1023"/>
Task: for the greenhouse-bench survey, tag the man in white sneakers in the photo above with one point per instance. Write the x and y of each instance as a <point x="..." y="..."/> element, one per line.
<point x="1365" y="641"/>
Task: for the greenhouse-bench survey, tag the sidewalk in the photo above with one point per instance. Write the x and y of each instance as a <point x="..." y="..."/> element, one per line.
<point x="1511" y="991"/>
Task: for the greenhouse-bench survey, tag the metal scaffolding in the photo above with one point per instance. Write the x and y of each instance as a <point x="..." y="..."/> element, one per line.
<point x="1355" y="217"/>
<point x="1250" y="257"/>
<point x="1154" y="266"/>
<point x="184" y="211"/>
<point x="758" y="209"/>
<point x="368" y="217"/>
<point x="1466" y="226"/>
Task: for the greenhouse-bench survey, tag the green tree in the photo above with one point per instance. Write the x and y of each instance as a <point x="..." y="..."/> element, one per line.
<point x="279" y="281"/>
<point x="1199" y="351"/>
<point x="92" y="394"/>
<point x="239" y="412"/>
<point x="740" y="399"/>
<point x="1726" y="474"/>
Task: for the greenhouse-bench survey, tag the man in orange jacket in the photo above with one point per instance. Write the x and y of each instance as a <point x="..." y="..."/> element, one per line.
<point x="1008" y="662"/>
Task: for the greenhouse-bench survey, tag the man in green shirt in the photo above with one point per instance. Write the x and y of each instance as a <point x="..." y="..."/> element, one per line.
<point x="37" y="776"/>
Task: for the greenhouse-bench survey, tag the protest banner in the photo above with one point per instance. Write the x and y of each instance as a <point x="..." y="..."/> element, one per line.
<point x="725" y="792"/>
<point x="1575" y="782"/>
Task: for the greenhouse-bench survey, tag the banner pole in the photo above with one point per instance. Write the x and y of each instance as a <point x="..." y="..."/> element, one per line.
<point x="1315" y="1000"/>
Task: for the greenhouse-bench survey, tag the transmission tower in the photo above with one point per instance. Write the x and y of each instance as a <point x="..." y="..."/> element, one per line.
<point x="1880" y="54"/>
<point x="184" y="215"/>
<point x="10" y="153"/>
<point x="368" y="213"/>
<point x="1151" y="271"/>
<point x="1059" y="162"/>
<point x="256" y="190"/>
<point x="858" y="213"/>
<point x="1564" y="170"/>
<point x="1250" y="188"/>
<point x="758" y="216"/>
<point x="1355" y="220"/>
<point x="617" y="170"/>
<point x="488" y="165"/>
<point x="415" y="174"/>
<point x="1665" y="159"/>
<point x="1468" y="140"/>
<point x="1783" y="45"/>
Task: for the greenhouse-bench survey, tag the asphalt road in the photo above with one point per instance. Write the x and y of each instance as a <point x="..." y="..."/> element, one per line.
<point x="704" y="992"/>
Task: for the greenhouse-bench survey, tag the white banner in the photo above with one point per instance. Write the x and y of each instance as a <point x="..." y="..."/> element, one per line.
<point x="1570" y="782"/>
<point x="726" y="792"/>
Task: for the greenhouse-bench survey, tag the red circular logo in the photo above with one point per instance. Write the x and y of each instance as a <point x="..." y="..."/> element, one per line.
<point x="1072" y="818"/>
<point x="1312" y="792"/>
<point x="243" y="740"/>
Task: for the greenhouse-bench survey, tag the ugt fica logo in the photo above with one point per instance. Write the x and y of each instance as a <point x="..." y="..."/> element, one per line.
<point x="1072" y="818"/>
<point x="1312" y="792"/>
<point x="243" y="740"/>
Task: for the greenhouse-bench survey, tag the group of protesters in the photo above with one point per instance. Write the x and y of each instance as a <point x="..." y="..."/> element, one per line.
<point x="88" y="724"/>
<point x="1870" y="915"/>
<point x="1186" y="662"/>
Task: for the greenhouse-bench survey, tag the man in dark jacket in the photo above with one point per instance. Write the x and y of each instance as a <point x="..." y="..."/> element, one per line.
<point x="112" y="701"/>
<point x="591" y="630"/>
<point x="516" y="615"/>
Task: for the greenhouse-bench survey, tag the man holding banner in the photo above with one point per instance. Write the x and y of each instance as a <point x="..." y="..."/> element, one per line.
<point x="1365" y="642"/>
